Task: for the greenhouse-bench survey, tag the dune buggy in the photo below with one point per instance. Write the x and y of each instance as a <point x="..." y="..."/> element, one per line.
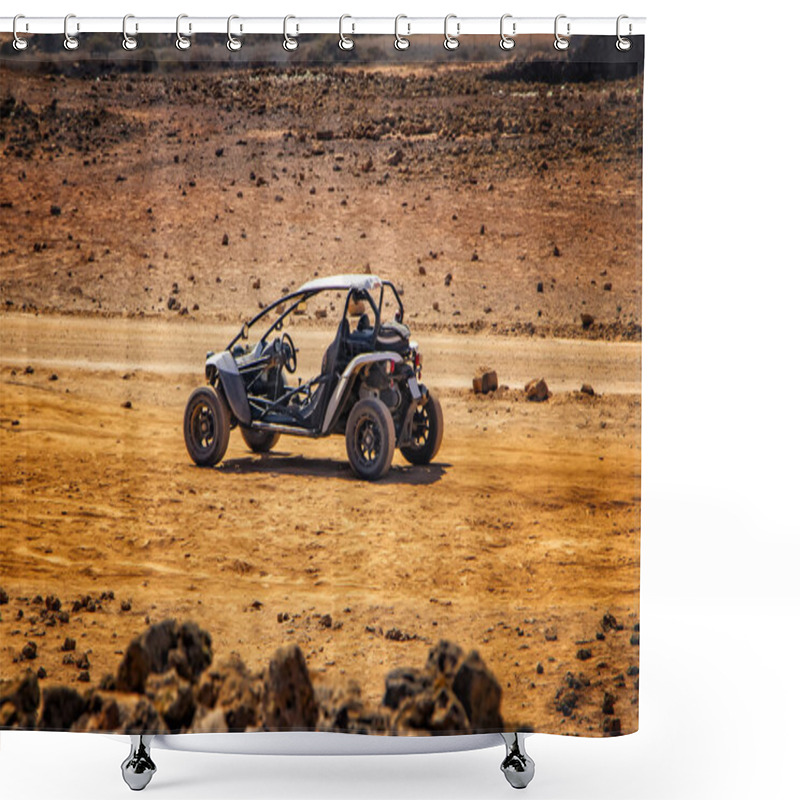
<point x="368" y="387"/>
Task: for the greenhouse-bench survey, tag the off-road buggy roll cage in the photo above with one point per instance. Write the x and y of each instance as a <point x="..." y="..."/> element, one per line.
<point x="278" y="412"/>
<point x="367" y="388"/>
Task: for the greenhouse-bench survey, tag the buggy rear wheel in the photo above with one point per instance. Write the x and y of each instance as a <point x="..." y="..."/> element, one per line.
<point x="427" y="428"/>
<point x="370" y="439"/>
<point x="259" y="441"/>
<point x="206" y="426"/>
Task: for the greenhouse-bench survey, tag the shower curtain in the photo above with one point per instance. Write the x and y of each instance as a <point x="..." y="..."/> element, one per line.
<point x="488" y="203"/>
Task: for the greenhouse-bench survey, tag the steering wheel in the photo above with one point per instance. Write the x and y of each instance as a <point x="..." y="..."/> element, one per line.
<point x="289" y="353"/>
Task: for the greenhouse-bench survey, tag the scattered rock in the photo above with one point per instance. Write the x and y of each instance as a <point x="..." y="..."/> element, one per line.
<point x="608" y="703"/>
<point x="583" y="654"/>
<point x="225" y="239"/>
<point x="540" y="287"/>
<point x="448" y="279"/>
<point x="484" y="381"/>
<point x="586" y="388"/>
<point x="587" y="320"/>
<point x="537" y="391"/>
<point x="395" y="158"/>
<point x="55" y="210"/>
<point x="3" y="596"/>
<point x="550" y="635"/>
<point x="29" y="651"/>
<point x="609" y="623"/>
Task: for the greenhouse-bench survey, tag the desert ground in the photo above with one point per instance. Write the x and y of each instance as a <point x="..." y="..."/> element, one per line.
<point x="145" y="216"/>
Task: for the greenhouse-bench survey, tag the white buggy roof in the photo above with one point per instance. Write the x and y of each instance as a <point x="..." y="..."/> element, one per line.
<point x="343" y="282"/>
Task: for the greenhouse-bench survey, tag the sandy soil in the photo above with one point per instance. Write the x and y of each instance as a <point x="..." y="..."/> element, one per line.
<point x="526" y="527"/>
<point x="144" y="216"/>
<point x="206" y="193"/>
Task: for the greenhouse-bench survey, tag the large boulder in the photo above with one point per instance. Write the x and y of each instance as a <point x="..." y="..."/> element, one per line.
<point x="452" y="693"/>
<point x="185" y="648"/>
<point x="19" y="701"/>
<point x="404" y="682"/>
<point x="479" y="693"/>
<point x="172" y="698"/>
<point x="240" y="695"/>
<point x="444" y="658"/>
<point x="341" y="708"/>
<point x="292" y="703"/>
<point x="435" y="710"/>
<point x="61" y="707"/>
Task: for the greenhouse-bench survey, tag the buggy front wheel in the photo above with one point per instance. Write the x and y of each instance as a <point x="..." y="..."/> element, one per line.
<point x="427" y="428"/>
<point x="206" y="426"/>
<point x="370" y="439"/>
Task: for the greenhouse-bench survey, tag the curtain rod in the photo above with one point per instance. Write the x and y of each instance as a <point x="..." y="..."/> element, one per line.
<point x="296" y="26"/>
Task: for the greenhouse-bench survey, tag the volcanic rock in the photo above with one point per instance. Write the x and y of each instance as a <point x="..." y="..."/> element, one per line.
<point x="537" y="391"/>
<point x="19" y="700"/>
<point x="479" y="693"/>
<point x="404" y="682"/>
<point x="61" y="707"/>
<point x="484" y="381"/>
<point x="292" y="703"/>
<point x="444" y="658"/>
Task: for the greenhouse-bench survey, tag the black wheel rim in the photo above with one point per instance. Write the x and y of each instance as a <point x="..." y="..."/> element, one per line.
<point x="420" y="427"/>
<point x="368" y="441"/>
<point x="203" y="426"/>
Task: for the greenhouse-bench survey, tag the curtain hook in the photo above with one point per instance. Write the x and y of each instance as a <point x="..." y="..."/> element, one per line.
<point x="289" y="43"/>
<point x="128" y="42"/>
<point x="400" y="42"/>
<point x="560" y="42"/>
<point x="19" y="43"/>
<point x="234" y="42"/>
<point x="70" y="42"/>
<point x="451" y="42"/>
<point x="506" y="42"/>
<point x="623" y="44"/>
<point x="181" y="41"/>
<point x="345" y="42"/>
